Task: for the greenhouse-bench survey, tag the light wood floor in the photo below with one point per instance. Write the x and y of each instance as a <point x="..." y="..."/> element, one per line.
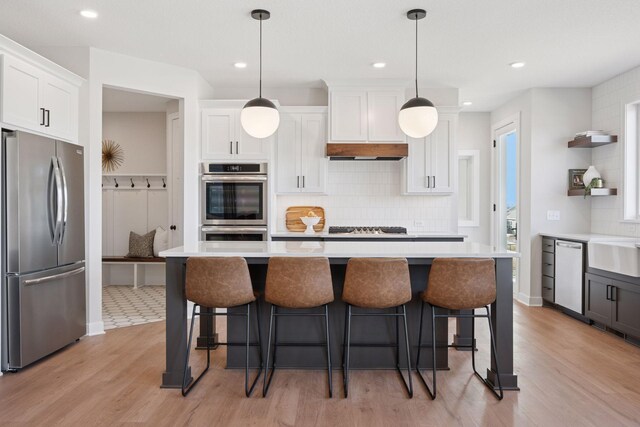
<point x="570" y="374"/>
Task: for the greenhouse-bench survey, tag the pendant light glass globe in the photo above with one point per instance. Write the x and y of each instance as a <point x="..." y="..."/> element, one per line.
<point x="260" y="117"/>
<point x="418" y="117"/>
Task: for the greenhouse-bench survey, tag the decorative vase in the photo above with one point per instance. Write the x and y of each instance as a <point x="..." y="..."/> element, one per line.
<point x="589" y="175"/>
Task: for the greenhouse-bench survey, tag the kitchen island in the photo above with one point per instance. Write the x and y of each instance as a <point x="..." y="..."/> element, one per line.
<point x="381" y="331"/>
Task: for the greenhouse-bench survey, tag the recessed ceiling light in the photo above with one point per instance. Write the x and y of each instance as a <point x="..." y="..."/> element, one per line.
<point x="467" y="103"/>
<point x="379" y="64"/>
<point x="518" y="64"/>
<point x="91" y="14"/>
<point x="240" y="65"/>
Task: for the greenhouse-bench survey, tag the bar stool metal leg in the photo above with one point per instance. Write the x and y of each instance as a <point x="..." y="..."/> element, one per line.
<point x="329" y="372"/>
<point x="408" y="351"/>
<point x="347" y="345"/>
<point x="500" y="395"/>
<point x="248" y="390"/>
<point x="267" y="376"/>
<point x="186" y="387"/>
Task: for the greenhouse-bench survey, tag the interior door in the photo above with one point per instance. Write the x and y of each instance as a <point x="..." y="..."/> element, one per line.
<point x="175" y="156"/>
<point x="32" y="200"/>
<point x="71" y="160"/>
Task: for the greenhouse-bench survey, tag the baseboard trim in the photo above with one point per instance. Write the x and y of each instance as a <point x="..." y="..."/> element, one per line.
<point x="95" y="328"/>
<point x="530" y="301"/>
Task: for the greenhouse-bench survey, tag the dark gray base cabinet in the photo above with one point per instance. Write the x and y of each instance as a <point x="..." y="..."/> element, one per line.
<point x="613" y="303"/>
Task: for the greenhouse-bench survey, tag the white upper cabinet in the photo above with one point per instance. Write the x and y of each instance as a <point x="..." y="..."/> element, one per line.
<point x="430" y="165"/>
<point x="35" y="100"/>
<point x="21" y="94"/>
<point x="361" y="115"/>
<point x="61" y="104"/>
<point x="348" y="115"/>
<point x="223" y="137"/>
<point x="300" y="152"/>
<point x="218" y="133"/>
<point x="383" y="109"/>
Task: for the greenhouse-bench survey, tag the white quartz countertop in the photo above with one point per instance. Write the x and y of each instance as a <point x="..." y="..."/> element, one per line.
<point x="586" y="237"/>
<point x="339" y="249"/>
<point x="325" y="234"/>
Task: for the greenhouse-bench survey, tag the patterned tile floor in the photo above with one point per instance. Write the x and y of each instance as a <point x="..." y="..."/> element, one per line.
<point x="125" y="306"/>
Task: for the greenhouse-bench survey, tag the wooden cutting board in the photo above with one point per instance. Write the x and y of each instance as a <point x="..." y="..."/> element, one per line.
<point x="294" y="223"/>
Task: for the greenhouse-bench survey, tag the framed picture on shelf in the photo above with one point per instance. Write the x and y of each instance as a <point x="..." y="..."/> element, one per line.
<point x="575" y="179"/>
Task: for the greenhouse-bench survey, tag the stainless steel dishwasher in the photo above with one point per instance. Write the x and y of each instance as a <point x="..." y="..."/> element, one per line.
<point x="569" y="275"/>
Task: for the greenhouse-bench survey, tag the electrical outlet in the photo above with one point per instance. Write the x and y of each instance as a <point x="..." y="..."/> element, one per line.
<point x="553" y="215"/>
<point x="418" y="223"/>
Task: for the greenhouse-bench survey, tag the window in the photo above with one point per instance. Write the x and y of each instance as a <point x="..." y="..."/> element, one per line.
<point x="468" y="188"/>
<point x="631" y="180"/>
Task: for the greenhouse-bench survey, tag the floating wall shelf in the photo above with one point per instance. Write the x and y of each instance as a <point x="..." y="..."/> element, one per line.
<point x="593" y="141"/>
<point x="595" y="192"/>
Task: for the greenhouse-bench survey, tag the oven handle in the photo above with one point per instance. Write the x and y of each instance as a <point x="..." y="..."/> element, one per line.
<point x="226" y="230"/>
<point x="257" y="178"/>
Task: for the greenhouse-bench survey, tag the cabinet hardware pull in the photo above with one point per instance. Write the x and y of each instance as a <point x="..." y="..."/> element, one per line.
<point x="434" y="181"/>
<point x="608" y="288"/>
<point x="428" y="179"/>
<point x="230" y="147"/>
<point x="302" y="181"/>
<point x="298" y="184"/>
<point x="42" y="123"/>
<point x="48" y="112"/>
<point x="614" y="292"/>
<point x="237" y="147"/>
<point x="132" y="184"/>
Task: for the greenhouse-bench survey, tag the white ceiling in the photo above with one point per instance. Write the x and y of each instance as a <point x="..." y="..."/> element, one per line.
<point x="122" y="101"/>
<point x="465" y="44"/>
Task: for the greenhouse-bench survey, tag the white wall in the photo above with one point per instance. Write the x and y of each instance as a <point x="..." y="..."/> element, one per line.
<point x="474" y="133"/>
<point x="557" y="115"/>
<point x="285" y="96"/>
<point x="548" y="120"/>
<point x="609" y="100"/>
<point x="368" y="193"/>
<point x="103" y="68"/>
<point x="143" y="139"/>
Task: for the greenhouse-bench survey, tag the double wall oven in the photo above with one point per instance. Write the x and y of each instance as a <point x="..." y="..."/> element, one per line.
<point x="234" y="201"/>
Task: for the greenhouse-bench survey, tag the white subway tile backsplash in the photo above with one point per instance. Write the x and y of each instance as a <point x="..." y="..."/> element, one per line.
<point x="368" y="193"/>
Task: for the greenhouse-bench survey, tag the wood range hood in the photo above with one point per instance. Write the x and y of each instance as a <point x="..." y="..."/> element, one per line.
<point x="367" y="151"/>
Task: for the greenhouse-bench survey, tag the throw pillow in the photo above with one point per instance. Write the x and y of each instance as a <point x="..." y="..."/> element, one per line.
<point x="160" y="241"/>
<point x="141" y="246"/>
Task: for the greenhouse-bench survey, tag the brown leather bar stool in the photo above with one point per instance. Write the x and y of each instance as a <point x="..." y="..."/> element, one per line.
<point x="297" y="283"/>
<point x="220" y="283"/>
<point x="378" y="283"/>
<point x="460" y="284"/>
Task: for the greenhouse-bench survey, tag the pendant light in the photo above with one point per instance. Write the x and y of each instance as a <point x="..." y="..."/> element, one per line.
<point x="418" y="117"/>
<point x="260" y="117"/>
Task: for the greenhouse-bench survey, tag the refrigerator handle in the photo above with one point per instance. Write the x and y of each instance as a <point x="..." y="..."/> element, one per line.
<point x="59" y="195"/>
<point x="64" y="203"/>
<point x="54" y="277"/>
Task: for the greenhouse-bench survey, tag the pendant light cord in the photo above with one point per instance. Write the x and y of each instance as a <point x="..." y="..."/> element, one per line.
<point x="260" y="55"/>
<point x="416" y="19"/>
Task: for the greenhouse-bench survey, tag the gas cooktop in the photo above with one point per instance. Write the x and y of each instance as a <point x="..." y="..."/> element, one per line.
<point x="367" y="230"/>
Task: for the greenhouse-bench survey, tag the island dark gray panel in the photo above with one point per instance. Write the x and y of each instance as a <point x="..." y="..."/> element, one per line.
<point x="366" y="330"/>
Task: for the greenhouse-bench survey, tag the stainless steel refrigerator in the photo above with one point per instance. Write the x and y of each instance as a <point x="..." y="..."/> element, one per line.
<point x="43" y="268"/>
